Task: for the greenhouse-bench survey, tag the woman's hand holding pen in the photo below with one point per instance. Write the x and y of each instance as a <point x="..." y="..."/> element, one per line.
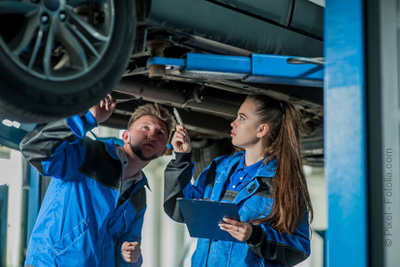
<point x="239" y="230"/>
<point x="181" y="140"/>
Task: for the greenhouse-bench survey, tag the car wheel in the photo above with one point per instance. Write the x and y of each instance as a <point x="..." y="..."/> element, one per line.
<point x="59" y="57"/>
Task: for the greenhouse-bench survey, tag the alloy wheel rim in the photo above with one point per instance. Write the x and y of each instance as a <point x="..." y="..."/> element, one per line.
<point x="56" y="40"/>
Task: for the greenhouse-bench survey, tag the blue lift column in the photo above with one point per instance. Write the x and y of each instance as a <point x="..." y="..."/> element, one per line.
<point x="345" y="134"/>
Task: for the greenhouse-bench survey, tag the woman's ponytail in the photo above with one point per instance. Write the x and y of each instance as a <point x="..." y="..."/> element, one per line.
<point x="290" y="194"/>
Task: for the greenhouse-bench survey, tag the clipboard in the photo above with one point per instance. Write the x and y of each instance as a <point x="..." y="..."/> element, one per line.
<point x="203" y="216"/>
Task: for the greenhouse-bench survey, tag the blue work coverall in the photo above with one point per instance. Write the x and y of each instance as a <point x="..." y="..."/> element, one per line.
<point x="83" y="219"/>
<point x="254" y="200"/>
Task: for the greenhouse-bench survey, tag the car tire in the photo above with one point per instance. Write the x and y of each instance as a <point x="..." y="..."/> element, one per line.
<point x="42" y="90"/>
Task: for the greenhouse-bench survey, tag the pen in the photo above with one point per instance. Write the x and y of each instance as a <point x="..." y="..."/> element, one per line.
<point x="178" y="117"/>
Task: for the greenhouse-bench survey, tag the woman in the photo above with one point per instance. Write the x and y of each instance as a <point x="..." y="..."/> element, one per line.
<point x="264" y="179"/>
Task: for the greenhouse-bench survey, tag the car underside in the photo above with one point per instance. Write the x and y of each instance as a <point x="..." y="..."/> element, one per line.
<point x="61" y="57"/>
<point x="208" y="103"/>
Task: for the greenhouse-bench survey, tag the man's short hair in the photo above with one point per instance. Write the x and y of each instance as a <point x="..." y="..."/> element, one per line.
<point x="154" y="110"/>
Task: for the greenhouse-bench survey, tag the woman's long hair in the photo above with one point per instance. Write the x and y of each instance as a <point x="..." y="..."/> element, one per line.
<point x="291" y="198"/>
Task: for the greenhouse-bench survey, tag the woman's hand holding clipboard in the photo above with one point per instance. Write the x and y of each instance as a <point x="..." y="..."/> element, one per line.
<point x="204" y="218"/>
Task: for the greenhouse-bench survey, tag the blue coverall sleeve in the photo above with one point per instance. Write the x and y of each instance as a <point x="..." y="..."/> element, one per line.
<point x="178" y="175"/>
<point x="132" y="234"/>
<point x="58" y="149"/>
<point x="287" y="249"/>
<point x="196" y="190"/>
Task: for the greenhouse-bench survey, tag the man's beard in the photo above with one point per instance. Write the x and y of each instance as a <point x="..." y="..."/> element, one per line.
<point x="139" y="153"/>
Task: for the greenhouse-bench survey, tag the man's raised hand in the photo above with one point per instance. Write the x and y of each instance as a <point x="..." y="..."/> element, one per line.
<point x="103" y="110"/>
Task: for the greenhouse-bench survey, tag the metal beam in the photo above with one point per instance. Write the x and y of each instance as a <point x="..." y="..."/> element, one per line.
<point x="345" y="134"/>
<point x="258" y="68"/>
<point x="11" y="136"/>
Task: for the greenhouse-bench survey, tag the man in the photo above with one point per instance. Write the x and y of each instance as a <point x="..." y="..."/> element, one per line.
<point x="92" y="214"/>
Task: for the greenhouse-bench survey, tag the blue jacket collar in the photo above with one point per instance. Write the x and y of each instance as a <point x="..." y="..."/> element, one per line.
<point x="111" y="148"/>
<point x="264" y="170"/>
